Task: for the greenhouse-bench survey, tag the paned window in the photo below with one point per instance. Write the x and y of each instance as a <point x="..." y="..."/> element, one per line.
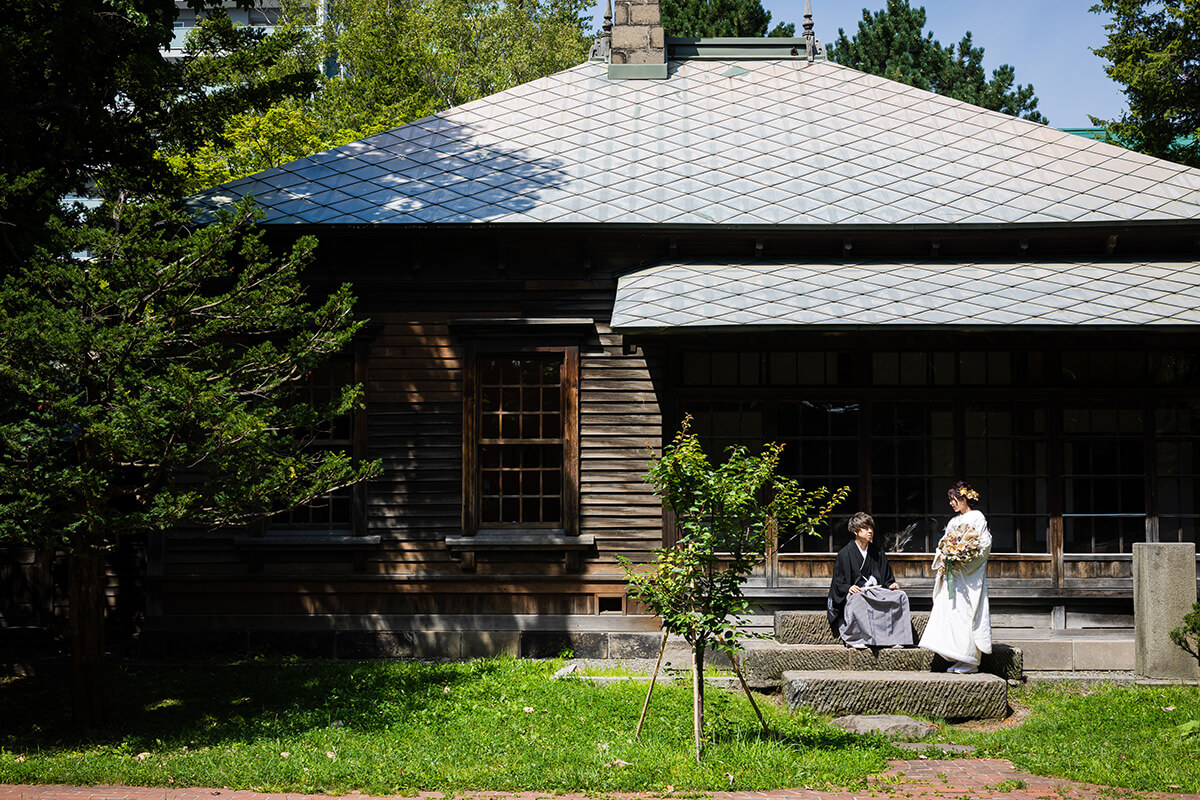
<point x="1104" y="474"/>
<point x="1054" y="439"/>
<point x="521" y="445"/>
<point x="319" y="387"/>
<point x="1177" y="468"/>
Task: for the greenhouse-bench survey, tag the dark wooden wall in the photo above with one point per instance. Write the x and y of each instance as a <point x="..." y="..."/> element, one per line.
<point x="414" y="416"/>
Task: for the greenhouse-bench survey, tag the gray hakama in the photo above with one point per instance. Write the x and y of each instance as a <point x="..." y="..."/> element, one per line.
<point x="877" y="617"/>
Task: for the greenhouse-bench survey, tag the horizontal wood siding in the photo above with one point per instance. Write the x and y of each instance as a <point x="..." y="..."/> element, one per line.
<point x="620" y="429"/>
<point x="415" y="374"/>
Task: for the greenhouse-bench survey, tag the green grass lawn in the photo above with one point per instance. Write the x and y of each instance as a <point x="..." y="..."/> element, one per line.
<point x="394" y="727"/>
<point x="1115" y="735"/>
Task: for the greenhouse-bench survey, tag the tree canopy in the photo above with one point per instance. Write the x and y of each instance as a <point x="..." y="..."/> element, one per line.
<point x="711" y="18"/>
<point x="893" y="44"/>
<point x="388" y="64"/>
<point x="94" y="99"/>
<point x="1153" y="50"/>
<point x="148" y="364"/>
<point x="728" y="516"/>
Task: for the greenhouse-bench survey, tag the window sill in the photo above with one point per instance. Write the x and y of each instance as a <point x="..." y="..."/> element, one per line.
<point x="258" y="548"/>
<point x="296" y="540"/>
<point x="571" y="547"/>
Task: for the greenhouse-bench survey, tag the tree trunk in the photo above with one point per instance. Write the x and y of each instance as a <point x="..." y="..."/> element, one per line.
<point x="85" y="574"/>
<point x="698" y="697"/>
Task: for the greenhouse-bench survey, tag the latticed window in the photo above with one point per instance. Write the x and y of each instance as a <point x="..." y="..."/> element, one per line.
<point x="521" y="440"/>
<point x="318" y="387"/>
<point x="521" y="450"/>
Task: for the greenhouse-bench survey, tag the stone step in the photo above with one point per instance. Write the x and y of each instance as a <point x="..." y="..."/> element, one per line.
<point x="764" y="662"/>
<point x="937" y="695"/>
<point x="810" y="629"/>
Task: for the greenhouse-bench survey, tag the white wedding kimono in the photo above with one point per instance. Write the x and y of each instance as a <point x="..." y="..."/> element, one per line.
<point x="960" y="625"/>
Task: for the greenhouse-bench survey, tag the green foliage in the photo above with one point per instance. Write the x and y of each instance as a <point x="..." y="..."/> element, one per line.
<point x="727" y="515"/>
<point x="1110" y="734"/>
<point x="96" y="100"/>
<point x="149" y="384"/>
<point x="395" y="62"/>
<point x="713" y="18"/>
<point x="395" y="727"/>
<point x="1187" y="635"/>
<point x="1153" y="49"/>
<point x="892" y="43"/>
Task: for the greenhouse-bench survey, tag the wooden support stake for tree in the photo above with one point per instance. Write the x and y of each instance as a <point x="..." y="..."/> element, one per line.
<point x="698" y="698"/>
<point x="653" y="680"/>
<point x="738" y="671"/>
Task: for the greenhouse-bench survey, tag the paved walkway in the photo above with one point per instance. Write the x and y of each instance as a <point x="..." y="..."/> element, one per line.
<point x="957" y="779"/>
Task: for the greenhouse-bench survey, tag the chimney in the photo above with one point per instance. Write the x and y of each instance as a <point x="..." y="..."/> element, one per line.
<point x="638" y="47"/>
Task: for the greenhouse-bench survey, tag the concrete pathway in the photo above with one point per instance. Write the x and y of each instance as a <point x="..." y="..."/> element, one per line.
<point x="955" y="779"/>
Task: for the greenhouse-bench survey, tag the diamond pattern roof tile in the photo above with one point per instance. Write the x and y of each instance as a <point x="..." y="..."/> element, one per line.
<point x="757" y="142"/>
<point x="1111" y="293"/>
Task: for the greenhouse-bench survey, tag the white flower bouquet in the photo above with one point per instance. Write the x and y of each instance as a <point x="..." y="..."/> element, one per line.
<point x="960" y="545"/>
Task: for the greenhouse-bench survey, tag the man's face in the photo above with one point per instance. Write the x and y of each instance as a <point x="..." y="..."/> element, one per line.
<point x="864" y="536"/>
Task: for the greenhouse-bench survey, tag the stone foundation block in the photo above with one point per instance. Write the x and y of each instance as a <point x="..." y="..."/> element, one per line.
<point x="634" y="645"/>
<point x="552" y="644"/>
<point x="374" y="644"/>
<point x="486" y="644"/>
<point x="436" y="644"/>
<point x="926" y="694"/>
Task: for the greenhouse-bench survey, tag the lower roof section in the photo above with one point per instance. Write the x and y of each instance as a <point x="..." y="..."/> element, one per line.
<point x="698" y="296"/>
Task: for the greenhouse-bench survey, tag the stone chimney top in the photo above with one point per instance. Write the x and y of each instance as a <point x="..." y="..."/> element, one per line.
<point x="638" y="46"/>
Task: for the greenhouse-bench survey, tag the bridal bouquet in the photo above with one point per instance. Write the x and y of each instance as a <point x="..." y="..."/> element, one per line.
<point x="960" y="545"/>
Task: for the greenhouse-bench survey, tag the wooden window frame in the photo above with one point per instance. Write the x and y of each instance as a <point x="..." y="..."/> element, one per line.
<point x="472" y="442"/>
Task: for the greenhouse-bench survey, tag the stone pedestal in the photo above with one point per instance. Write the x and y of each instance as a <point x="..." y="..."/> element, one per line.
<point x="1164" y="590"/>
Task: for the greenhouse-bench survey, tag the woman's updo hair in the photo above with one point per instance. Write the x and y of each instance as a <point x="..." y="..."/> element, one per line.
<point x="961" y="490"/>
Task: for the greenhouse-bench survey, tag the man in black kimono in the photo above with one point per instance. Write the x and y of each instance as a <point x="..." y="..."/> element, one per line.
<point x="866" y="607"/>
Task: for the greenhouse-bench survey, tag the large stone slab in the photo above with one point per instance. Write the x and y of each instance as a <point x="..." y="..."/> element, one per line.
<point x="927" y="694"/>
<point x="811" y="627"/>
<point x="893" y="726"/>
<point x="764" y="662"/>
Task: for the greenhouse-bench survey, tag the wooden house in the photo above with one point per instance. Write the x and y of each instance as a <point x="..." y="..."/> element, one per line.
<point x="903" y="288"/>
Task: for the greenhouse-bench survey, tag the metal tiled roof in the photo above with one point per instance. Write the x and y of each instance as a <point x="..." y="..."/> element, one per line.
<point x="1051" y="294"/>
<point x="721" y="143"/>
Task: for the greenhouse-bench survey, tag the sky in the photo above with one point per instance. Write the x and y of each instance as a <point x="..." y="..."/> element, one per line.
<point x="1048" y="42"/>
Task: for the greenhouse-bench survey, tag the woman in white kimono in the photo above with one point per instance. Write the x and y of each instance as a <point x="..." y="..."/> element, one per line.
<point x="960" y="627"/>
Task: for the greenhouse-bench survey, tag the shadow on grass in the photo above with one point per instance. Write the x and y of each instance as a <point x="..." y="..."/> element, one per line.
<point x="164" y="706"/>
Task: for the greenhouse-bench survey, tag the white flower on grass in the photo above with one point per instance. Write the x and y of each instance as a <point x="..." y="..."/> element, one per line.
<point x="528" y="709"/>
<point x="330" y="754"/>
<point x="285" y="754"/>
<point x="142" y="756"/>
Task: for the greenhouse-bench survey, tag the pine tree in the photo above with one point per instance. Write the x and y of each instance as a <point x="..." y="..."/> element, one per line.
<point x="894" y="44"/>
<point x="714" y="18"/>
<point x="1153" y="49"/>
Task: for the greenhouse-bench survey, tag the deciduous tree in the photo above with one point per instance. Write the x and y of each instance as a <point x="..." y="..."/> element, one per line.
<point x="1153" y="49"/>
<point x="93" y="99"/>
<point x="391" y="63"/>
<point x="727" y="515"/>
<point x="893" y="44"/>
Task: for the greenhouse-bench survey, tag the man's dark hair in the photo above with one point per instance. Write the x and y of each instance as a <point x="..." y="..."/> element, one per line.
<point x="859" y="521"/>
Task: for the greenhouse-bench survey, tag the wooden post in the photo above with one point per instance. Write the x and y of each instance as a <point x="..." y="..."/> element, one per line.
<point x="746" y="688"/>
<point x="698" y="697"/>
<point x="653" y="679"/>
